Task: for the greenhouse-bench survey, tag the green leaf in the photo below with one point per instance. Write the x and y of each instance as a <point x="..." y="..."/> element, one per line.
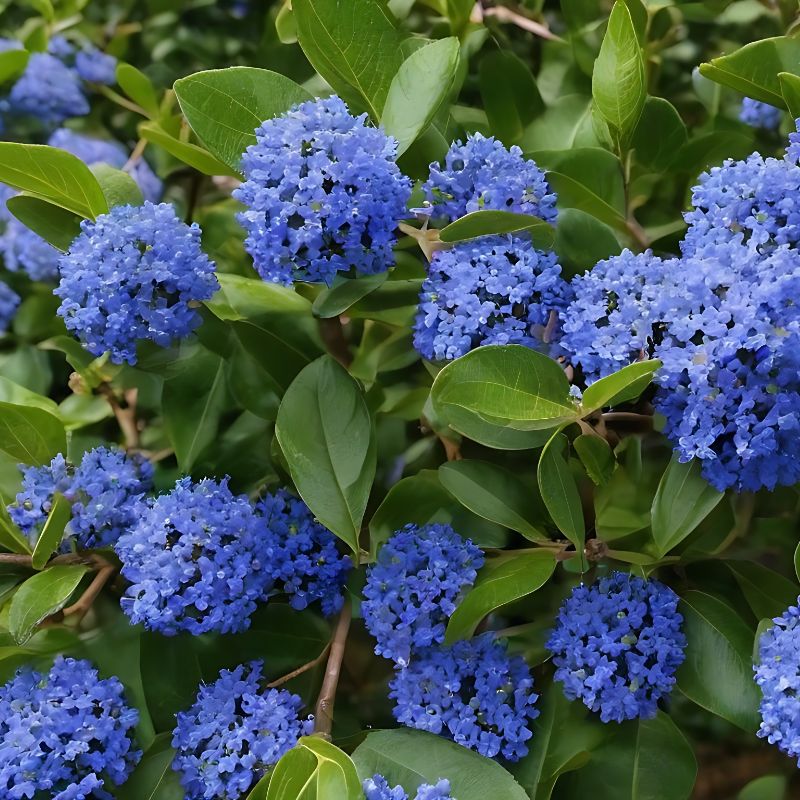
<point x="11" y="392"/>
<point x="495" y="493"/>
<point x="344" y="293"/>
<point x="753" y="69"/>
<point x="225" y="106"/>
<point x="12" y="63"/>
<point x="119" y="188"/>
<point x="718" y="671"/>
<point x="767" y="592"/>
<point x="139" y="88"/>
<point x="486" y="223"/>
<point x="797" y="561"/>
<point x="315" y="770"/>
<point x="154" y="778"/>
<point x="507" y="385"/>
<point x="411" y="758"/>
<point x="53" y="531"/>
<point x="53" y="175"/>
<point x="11" y="537"/>
<point x="53" y="223"/>
<point x="659" y="135"/>
<point x="683" y="500"/>
<point x="596" y="456"/>
<point x="502" y="580"/>
<point x="582" y="240"/>
<point x="326" y="433"/>
<point x="40" y="596"/>
<point x="790" y="89"/>
<point x="458" y="12"/>
<point x="559" y="491"/>
<point x="189" y="153"/>
<point x="354" y="45"/>
<point x="619" y="387"/>
<point x="418" y="90"/>
<point x="30" y="435"/>
<point x="291" y="777"/>
<point x="767" y="787"/>
<point x="619" y="83"/>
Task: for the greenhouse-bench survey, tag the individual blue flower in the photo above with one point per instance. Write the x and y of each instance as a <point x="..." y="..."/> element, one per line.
<point x="472" y="692"/>
<point x="617" y="644"/>
<point x="134" y="273"/>
<point x="66" y="734"/>
<point x="323" y="195"/>
<point x="377" y="788"/>
<point x="9" y="302"/>
<point x="95" y="66"/>
<point x="48" y="90"/>
<point x="302" y="554"/>
<point x="759" y="115"/>
<point x="778" y="675"/>
<point x="194" y="561"/>
<point x="235" y="731"/>
<point x="492" y="290"/>
<point x="482" y="174"/>
<point x="104" y="490"/>
<point x="414" y="587"/>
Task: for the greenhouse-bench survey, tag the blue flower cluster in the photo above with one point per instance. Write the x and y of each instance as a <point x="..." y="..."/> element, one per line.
<point x="473" y="693"/>
<point x="235" y="731"/>
<point x="66" y="735"/>
<point x="194" y="560"/>
<point x="493" y="290"/>
<point x="759" y="115"/>
<point x="104" y="489"/>
<point x="377" y="788"/>
<point x="9" y="302"/>
<point x="301" y="554"/>
<point x="481" y="174"/>
<point x="95" y="66"/>
<point x="323" y="195"/>
<point x="778" y="675"/>
<point x="617" y="645"/>
<point x="134" y="273"/>
<point x="49" y="90"/>
<point x="414" y="587"/>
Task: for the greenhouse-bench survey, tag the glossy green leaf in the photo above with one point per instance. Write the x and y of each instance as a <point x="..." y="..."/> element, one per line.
<point x="326" y="433"/>
<point x="53" y="223"/>
<point x="11" y="538"/>
<point x="344" y="293"/>
<point x="417" y="91"/>
<point x="486" y="223"/>
<point x="225" y="106"/>
<point x="596" y="456"/>
<point x="30" y="435"/>
<point x="582" y="240"/>
<point x="767" y="787"/>
<point x="11" y="392"/>
<point x="189" y="153"/>
<point x="660" y="134"/>
<point x="119" y="188"/>
<point x="314" y="770"/>
<point x="138" y="87"/>
<point x="560" y="492"/>
<point x="53" y="531"/>
<point x="767" y="592"/>
<point x="790" y="89"/>
<point x="500" y="581"/>
<point x="797" y="561"/>
<point x="12" y="63"/>
<point x="619" y="387"/>
<point x="153" y="778"/>
<point x="40" y="596"/>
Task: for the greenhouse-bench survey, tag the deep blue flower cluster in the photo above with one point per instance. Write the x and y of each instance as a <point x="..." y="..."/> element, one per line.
<point x="759" y="115"/>
<point x="481" y="174"/>
<point x="194" y="560"/>
<point x="133" y="274"/>
<point x="377" y="788"/>
<point x="414" y="587"/>
<point x="104" y="489"/>
<point x="778" y="675"/>
<point x="617" y="644"/>
<point x="95" y="66"/>
<point x="492" y="290"/>
<point x="323" y="195"/>
<point x="9" y="302"/>
<point x="301" y="554"/>
<point x="21" y="248"/>
<point x="473" y="692"/>
<point x="235" y="731"/>
<point x="65" y="735"/>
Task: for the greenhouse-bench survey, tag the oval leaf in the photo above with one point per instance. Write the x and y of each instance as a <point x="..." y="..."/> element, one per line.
<point x="54" y="224"/>
<point x="620" y="387"/>
<point x="30" y="435"/>
<point x="52" y="532"/>
<point x="559" y="491"/>
<point x="489" y="222"/>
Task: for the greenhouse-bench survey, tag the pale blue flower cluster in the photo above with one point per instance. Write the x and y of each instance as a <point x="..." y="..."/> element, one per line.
<point x="9" y="302"/>
<point x="472" y="692"/>
<point x="759" y="115"/>
<point x="65" y="735"/>
<point x="323" y="195"/>
<point x="778" y="675"/>
<point x="235" y="731"/>
<point x="414" y="587"/>
<point x="617" y="644"/>
<point x="134" y="273"/>
<point x="21" y="248"/>
<point x="95" y="66"/>
<point x="377" y="788"/>
<point x="104" y="490"/>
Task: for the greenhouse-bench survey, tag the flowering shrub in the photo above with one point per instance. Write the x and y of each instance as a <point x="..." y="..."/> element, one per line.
<point x="399" y="400"/>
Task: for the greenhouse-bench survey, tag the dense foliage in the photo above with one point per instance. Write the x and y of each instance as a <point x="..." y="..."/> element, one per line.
<point x="399" y="400"/>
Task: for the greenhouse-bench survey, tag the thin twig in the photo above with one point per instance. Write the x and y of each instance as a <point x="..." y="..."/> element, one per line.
<point x="122" y="101"/>
<point x="427" y="239"/>
<point x="300" y="670"/>
<point x="323" y="719"/>
<point x="136" y="155"/>
<point x="503" y="14"/>
<point x="126" y="417"/>
<point x="20" y="560"/>
<point x="105" y="570"/>
<point x="332" y="333"/>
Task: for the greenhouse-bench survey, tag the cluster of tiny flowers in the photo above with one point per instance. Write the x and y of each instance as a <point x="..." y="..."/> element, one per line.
<point x="95" y="66"/>
<point x="194" y="560"/>
<point x="493" y="290"/>
<point x="323" y="195"/>
<point x="778" y="675"/>
<point x="9" y="301"/>
<point x="302" y="555"/>
<point x="66" y="735"/>
<point x="759" y="115"/>
<point x="481" y="174"/>
<point x="235" y="731"/>
<point x="377" y="788"/>
<point x="21" y="248"/>
<point x="104" y="490"/>
<point x="414" y="587"/>
<point x="100" y="151"/>
<point x="473" y="692"/>
<point x="617" y="645"/>
<point x="133" y="274"/>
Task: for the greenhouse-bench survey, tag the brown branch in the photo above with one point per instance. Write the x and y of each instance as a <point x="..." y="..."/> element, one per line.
<point x="323" y="718"/>
<point x="332" y="334"/>
<point x="126" y="417"/>
<point x="300" y="670"/>
<point x="20" y="560"/>
<point x="105" y="569"/>
<point x="503" y="14"/>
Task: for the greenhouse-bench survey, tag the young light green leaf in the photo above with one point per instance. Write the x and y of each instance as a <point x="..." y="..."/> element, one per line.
<point x="53" y="223"/>
<point x="314" y="770"/>
<point x="189" y="153"/>
<point x="53" y="531"/>
<point x="559" y="491"/>
<point x="119" y="188"/>
<point x="596" y="456"/>
<point x="489" y="222"/>
<point x="30" y="435"/>
<point x="12" y="63"/>
<point x="139" y="88"/>
<point x="619" y="387"/>
<point x="767" y="787"/>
